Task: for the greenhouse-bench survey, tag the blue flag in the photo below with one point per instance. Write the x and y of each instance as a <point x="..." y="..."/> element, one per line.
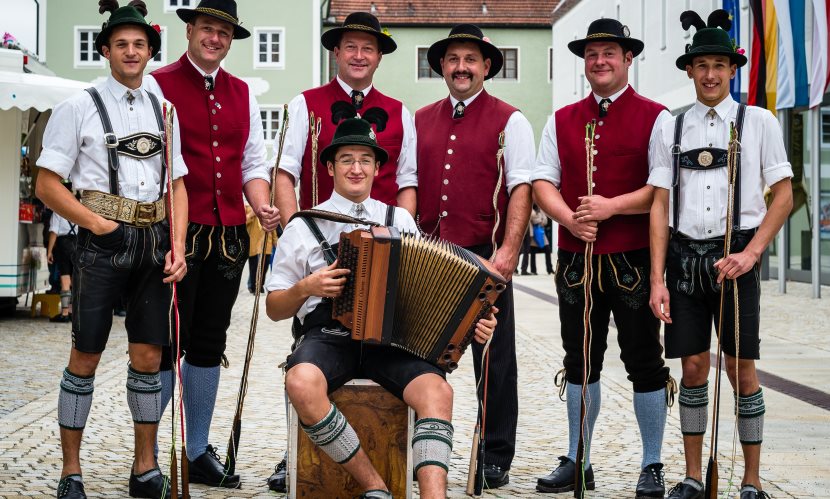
<point x="734" y="9"/>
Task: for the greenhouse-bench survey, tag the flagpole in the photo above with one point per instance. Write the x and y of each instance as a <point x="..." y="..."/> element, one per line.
<point x="815" y="188"/>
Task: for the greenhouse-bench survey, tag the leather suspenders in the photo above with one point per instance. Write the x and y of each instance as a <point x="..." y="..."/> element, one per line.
<point x="676" y="166"/>
<point x="111" y="140"/>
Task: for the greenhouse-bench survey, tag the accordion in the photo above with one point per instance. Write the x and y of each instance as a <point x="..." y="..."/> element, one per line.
<point x="424" y="296"/>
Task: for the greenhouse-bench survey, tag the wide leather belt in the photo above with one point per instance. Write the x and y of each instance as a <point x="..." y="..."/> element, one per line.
<point x="124" y="210"/>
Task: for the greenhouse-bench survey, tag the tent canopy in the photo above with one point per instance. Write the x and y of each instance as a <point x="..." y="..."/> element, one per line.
<point x="26" y="90"/>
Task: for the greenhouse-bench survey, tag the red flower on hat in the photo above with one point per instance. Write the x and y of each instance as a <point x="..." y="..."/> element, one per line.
<point x="156" y="27"/>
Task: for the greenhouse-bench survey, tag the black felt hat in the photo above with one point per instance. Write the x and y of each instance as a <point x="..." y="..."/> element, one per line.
<point x="359" y="21"/>
<point x="354" y="132"/>
<point x="711" y="38"/>
<point x="132" y="13"/>
<point x="466" y="33"/>
<point x="224" y="10"/>
<point x="607" y="30"/>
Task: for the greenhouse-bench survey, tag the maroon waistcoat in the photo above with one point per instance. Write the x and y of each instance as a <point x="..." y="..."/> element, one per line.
<point x="319" y="101"/>
<point x="214" y="127"/>
<point x="621" y="141"/>
<point x="457" y="172"/>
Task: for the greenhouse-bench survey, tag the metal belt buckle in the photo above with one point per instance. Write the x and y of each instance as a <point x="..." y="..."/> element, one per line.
<point x="145" y="214"/>
<point x="111" y="140"/>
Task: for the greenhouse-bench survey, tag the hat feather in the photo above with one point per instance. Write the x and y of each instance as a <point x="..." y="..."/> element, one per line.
<point x="140" y="6"/>
<point x="377" y="116"/>
<point x="719" y="19"/>
<point x="342" y="110"/>
<point x="691" y="18"/>
<point x="107" y="6"/>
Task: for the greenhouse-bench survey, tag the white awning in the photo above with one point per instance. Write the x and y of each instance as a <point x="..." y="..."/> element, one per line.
<point x="27" y="90"/>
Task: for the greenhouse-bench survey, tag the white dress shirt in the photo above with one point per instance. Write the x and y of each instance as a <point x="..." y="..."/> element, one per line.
<point x="703" y="193"/>
<point x="255" y="156"/>
<point x="73" y="143"/>
<point x="548" y="166"/>
<point x="60" y="226"/>
<point x="296" y="138"/>
<point x="519" y="146"/>
<point x="299" y="254"/>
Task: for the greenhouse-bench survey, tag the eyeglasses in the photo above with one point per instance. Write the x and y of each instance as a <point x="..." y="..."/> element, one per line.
<point x="364" y="163"/>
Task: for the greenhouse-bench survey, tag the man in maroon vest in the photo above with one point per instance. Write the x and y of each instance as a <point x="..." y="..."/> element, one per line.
<point x="475" y="156"/>
<point x="622" y="144"/>
<point x="223" y="140"/>
<point x="358" y="47"/>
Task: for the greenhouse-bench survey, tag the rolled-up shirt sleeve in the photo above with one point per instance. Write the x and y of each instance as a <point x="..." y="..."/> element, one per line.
<point x="659" y="156"/>
<point x="519" y="150"/>
<point x="775" y="166"/>
<point x="61" y="140"/>
<point x="295" y="138"/>
<point x="254" y="156"/>
<point x="547" y="160"/>
<point x="407" y="173"/>
<point x="290" y="259"/>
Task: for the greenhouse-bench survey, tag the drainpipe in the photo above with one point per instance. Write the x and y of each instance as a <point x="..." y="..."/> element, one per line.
<point x="37" y="28"/>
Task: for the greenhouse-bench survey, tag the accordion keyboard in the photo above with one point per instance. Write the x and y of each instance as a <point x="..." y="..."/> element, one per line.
<point x="347" y="256"/>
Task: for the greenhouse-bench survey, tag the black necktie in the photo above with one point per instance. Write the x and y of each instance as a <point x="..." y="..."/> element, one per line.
<point x="604" y="104"/>
<point x="459" y="110"/>
<point x="357" y="99"/>
<point x="208" y="82"/>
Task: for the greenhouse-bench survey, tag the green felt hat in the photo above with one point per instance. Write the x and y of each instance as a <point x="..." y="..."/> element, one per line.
<point x="132" y="13"/>
<point x="711" y="38"/>
<point x="354" y="132"/>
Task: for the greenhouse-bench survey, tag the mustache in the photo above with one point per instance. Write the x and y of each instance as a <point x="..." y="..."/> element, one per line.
<point x="462" y="73"/>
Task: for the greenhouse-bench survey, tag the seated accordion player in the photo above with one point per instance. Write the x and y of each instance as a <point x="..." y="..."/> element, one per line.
<point x="422" y="295"/>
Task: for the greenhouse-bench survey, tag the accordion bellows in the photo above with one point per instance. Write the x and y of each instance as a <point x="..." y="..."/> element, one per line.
<point x="424" y="296"/>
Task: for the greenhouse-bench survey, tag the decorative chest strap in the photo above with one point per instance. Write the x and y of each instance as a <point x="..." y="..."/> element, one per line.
<point x="140" y="145"/>
<point x="704" y="158"/>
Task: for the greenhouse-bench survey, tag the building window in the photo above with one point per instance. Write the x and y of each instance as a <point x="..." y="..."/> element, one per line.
<point x="85" y="53"/>
<point x="269" y="48"/>
<point x="825" y="127"/>
<point x="270" y="116"/>
<point x="172" y="5"/>
<point x="160" y="57"/>
<point x="510" y="70"/>
<point x="550" y="63"/>
<point x="424" y="69"/>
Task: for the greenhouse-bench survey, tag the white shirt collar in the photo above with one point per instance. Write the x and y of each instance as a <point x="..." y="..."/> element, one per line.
<point x="345" y="206"/>
<point x="119" y="90"/>
<point x="722" y="109"/>
<point x="202" y="71"/>
<point x="467" y="101"/>
<point x="346" y="88"/>
<point x="613" y="96"/>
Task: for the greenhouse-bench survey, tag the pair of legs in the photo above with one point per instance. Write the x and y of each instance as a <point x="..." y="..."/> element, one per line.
<point x="428" y="394"/>
<point x="144" y="358"/>
<point x="696" y="373"/>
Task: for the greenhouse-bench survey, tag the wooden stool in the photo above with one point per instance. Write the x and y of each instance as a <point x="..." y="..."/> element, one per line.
<point x="50" y="304"/>
<point x="384" y="425"/>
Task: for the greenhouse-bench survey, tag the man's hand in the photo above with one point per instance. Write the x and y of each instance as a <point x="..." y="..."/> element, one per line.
<point x="49" y="257"/>
<point x="269" y="217"/>
<point x="506" y="262"/>
<point x="586" y="231"/>
<point x="104" y="226"/>
<point x="325" y="283"/>
<point x="594" y="209"/>
<point x="175" y="270"/>
<point x="735" y="265"/>
<point x="486" y="326"/>
<point x="659" y="302"/>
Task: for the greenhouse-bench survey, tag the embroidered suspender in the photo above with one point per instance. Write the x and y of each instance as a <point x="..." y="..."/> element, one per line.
<point x="111" y="140"/>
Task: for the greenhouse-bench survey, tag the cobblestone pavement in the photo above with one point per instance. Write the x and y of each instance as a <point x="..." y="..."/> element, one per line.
<point x="795" y="462"/>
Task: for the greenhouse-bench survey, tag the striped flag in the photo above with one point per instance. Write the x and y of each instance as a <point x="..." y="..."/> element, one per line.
<point x="733" y="8"/>
<point x="792" y="60"/>
<point x="771" y="53"/>
<point x="820" y="75"/>
<point x="757" y="95"/>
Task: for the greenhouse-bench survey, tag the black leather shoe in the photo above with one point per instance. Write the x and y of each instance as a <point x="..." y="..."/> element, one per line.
<point x="61" y="318"/>
<point x="207" y="469"/>
<point x="157" y="487"/>
<point x="495" y="476"/>
<point x="563" y="477"/>
<point x="276" y="482"/>
<point x="71" y="489"/>
<point x="651" y="482"/>
<point x="684" y="491"/>
<point x="750" y="492"/>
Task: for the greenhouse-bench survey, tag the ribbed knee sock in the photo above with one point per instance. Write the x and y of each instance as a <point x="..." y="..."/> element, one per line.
<point x="650" y="409"/>
<point x="200" y="387"/>
<point x="167" y="383"/>
<point x="593" y="400"/>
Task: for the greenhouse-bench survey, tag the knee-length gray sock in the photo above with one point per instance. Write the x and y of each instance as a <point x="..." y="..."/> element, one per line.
<point x="593" y="400"/>
<point x="200" y="387"/>
<point x="650" y="409"/>
<point x="167" y="384"/>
